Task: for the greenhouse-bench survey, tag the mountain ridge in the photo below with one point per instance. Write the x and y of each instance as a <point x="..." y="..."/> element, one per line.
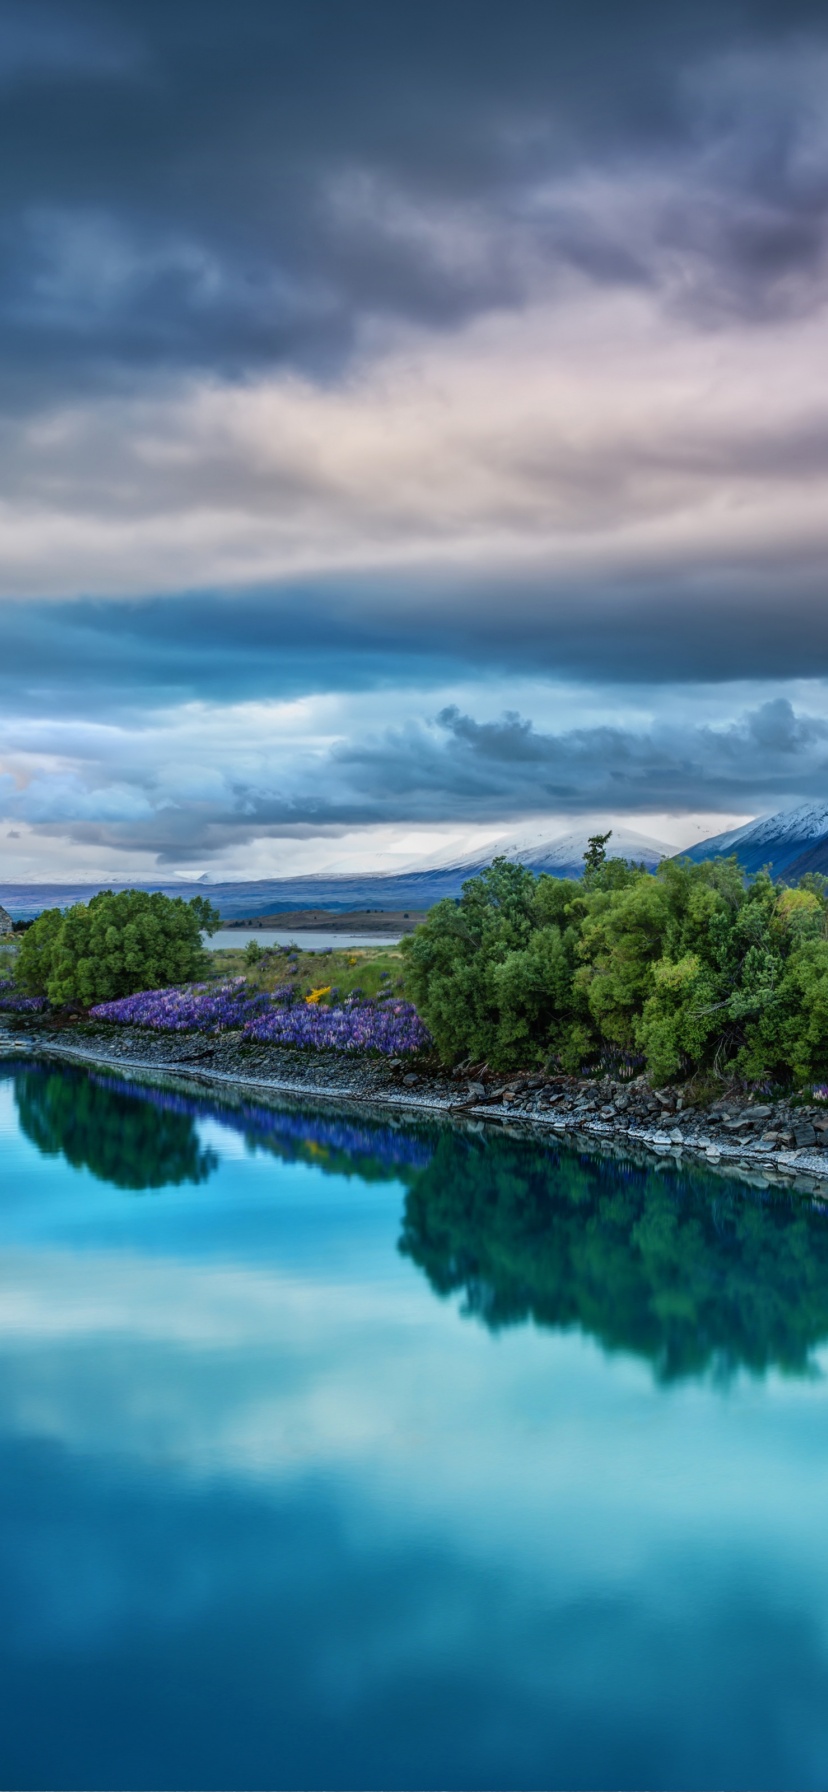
<point x="561" y="856"/>
<point x="784" y="840"/>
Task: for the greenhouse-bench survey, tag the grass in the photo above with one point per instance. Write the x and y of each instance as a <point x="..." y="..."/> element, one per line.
<point x="369" y="969"/>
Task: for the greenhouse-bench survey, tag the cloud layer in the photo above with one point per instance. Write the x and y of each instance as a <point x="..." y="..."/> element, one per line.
<point x="191" y="787"/>
<point x="353" y="349"/>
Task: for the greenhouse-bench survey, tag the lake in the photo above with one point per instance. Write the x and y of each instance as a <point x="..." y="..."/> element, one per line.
<point x="338" y="1452"/>
<point x="309" y="939"/>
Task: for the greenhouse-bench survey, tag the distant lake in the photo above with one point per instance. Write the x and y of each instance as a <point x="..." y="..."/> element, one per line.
<point x="342" y="1450"/>
<point x="309" y="941"/>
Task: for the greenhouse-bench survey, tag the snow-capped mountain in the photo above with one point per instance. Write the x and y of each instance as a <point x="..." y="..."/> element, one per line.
<point x="780" y="841"/>
<point x="562" y="855"/>
<point x="416" y="887"/>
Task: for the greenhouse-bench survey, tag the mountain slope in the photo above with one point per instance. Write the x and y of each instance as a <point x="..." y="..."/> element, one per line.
<point x="562" y="855"/>
<point x="417" y="887"/>
<point x="782" y="841"/>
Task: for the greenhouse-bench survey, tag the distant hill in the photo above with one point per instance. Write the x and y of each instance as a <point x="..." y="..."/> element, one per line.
<point x="419" y="887"/>
<point x="792" y="842"/>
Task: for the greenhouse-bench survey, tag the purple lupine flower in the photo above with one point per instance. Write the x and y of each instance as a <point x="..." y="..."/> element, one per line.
<point x="198" y="1008"/>
<point x="12" y="1001"/>
<point x="392" y="1027"/>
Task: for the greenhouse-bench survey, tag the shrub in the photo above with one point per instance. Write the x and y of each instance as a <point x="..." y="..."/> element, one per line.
<point x="114" y="945"/>
<point x="690" y="966"/>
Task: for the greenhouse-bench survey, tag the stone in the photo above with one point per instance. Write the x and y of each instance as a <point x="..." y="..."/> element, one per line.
<point x="6" y="924"/>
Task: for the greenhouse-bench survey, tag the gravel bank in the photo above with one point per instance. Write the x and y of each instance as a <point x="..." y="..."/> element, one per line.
<point x="769" y="1142"/>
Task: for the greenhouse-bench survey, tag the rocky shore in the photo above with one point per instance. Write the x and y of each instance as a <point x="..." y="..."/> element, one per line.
<point x="777" y="1141"/>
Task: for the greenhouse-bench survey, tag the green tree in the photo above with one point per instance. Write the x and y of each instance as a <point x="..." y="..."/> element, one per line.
<point x="596" y="853"/>
<point x="691" y="966"/>
<point x="114" y="945"/>
<point x="492" y="973"/>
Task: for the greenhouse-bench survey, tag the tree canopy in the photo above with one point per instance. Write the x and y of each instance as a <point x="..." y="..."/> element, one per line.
<point x="688" y="967"/>
<point x="116" y="944"/>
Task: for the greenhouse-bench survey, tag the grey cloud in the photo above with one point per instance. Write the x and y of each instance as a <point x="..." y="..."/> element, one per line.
<point x="111" y="659"/>
<point x="455" y="769"/>
<point x="180" y="184"/>
<point x="766" y="757"/>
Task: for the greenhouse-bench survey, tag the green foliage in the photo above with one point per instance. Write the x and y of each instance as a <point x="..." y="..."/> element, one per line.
<point x="596" y="853"/>
<point x="687" y="1272"/>
<point x="114" y="945"/>
<point x="690" y="967"/>
<point x="373" y="970"/>
<point x="252" y="952"/>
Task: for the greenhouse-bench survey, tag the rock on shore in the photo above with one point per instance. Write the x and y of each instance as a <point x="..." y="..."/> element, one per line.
<point x="784" y="1140"/>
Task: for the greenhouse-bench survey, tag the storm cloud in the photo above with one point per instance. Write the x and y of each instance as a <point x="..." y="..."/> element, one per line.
<point x="232" y="187"/>
<point x="348" y="348"/>
<point x="191" y="787"/>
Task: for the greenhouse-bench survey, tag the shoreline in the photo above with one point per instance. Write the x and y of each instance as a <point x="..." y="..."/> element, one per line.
<point x="556" y="1109"/>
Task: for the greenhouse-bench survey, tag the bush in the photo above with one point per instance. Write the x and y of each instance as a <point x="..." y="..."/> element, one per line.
<point x="113" y="946"/>
<point x="689" y="966"/>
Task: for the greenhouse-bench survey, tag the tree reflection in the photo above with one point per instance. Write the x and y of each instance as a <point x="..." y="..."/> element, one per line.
<point x="137" y="1134"/>
<point x="673" y="1264"/>
<point x="120" y="1137"/>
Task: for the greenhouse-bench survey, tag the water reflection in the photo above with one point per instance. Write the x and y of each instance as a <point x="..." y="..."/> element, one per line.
<point x="139" y="1135"/>
<point x="99" y="1124"/>
<point x="670" y="1263"/>
<point x="271" y="1514"/>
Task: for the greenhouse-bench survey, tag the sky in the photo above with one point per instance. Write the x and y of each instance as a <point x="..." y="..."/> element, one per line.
<point x="413" y="426"/>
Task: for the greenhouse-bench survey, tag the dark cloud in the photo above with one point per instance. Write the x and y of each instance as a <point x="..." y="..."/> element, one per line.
<point x="99" y="659"/>
<point x="206" y="185"/>
<point x="449" y="770"/>
<point x="769" y="756"/>
<point x="193" y="195"/>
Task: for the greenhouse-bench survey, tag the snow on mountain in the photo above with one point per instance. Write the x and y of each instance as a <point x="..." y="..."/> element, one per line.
<point x="564" y="854"/>
<point x="777" y="840"/>
<point x="560" y="854"/>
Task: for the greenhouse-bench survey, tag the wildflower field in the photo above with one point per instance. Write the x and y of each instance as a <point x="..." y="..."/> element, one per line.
<point x="336" y="1000"/>
<point x="282" y="1016"/>
<point x="12" y="1001"/>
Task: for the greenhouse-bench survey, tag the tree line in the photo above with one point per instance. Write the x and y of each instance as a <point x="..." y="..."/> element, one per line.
<point x="688" y="968"/>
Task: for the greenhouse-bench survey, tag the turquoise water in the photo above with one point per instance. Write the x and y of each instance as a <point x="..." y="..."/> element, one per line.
<point x="340" y="1454"/>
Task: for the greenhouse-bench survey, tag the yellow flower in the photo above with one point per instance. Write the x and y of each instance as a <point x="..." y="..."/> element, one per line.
<point x="316" y="993"/>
